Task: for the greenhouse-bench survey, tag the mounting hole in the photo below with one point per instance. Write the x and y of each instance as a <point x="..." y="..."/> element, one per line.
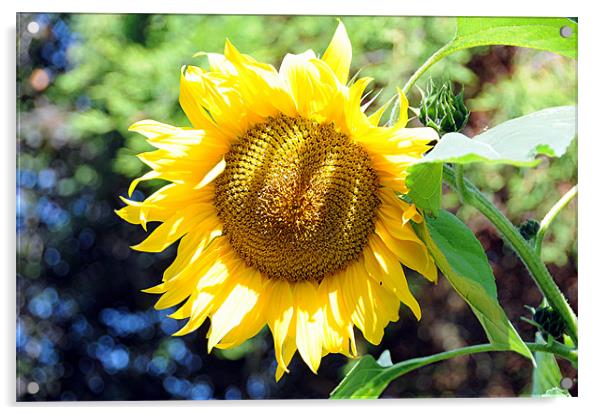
<point x="566" y="383"/>
<point x="566" y="31"/>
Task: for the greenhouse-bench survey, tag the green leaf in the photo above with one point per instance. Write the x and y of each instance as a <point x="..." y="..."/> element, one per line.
<point x="529" y="32"/>
<point x="360" y="381"/>
<point x="424" y="182"/>
<point x="556" y="392"/>
<point x="546" y="375"/>
<point x="516" y="142"/>
<point x="460" y="256"/>
<point x="368" y="378"/>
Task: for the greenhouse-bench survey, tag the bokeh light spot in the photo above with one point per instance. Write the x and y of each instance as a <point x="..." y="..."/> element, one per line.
<point x="33" y="27"/>
<point x="39" y="79"/>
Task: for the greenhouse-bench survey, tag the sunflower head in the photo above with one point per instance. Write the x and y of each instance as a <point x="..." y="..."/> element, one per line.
<point x="297" y="198"/>
<point x="284" y="197"/>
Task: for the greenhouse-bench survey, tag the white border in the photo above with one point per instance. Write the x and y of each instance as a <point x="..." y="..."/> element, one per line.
<point x="590" y="123"/>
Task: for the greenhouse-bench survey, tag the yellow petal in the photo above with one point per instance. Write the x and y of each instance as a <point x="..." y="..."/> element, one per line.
<point x="289" y="348"/>
<point x="309" y="324"/>
<point x="147" y="176"/>
<point x="380" y="306"/>
<point x="338" y="54"/>
<point x="174" y="228"/>
<point x="250" y="325"/>
<point x="332" y="291"/>
<point x="152" y="129"/>
<point x="359" y="300"/>
<point x="215" y="93"/>
<point x="260" y="86"/>
<point x="384" y="268"/>
<point x="377" y="115"/>
<point x="329" y="95"/>
<point x="402" y="120"/>
<point x="210" y="270"/>
<point x="219" y="63"/>
<point x="357" y="122"/>
<point x="174" y="139"/>
<point x="337" y="316"/>
<point x="200" y="307"/>
<point x="335" y="338"/>
<point x="193" y="245"/>
<point x="392" y="206"/>
<point x="185" y="166"/>
<point x="279" y="315"/>
<point x="157" y="289"/>
<point x="131" y="212"/>
<point x="402" y="241"/>
<point x="182" y="312"/>
<point x="207" y="295"/>
<point x="301" y="78"/>
<point x="160" y="205"/>
<point x="240" y="301"/>
<point x="212" y="174"/>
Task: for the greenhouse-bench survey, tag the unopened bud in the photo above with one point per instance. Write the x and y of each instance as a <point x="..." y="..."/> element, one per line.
<point x="529" y="229"/>
<point x="442" y="110"/>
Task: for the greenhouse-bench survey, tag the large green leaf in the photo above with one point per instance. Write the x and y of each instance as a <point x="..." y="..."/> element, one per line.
<point x="360" y="382"/>
<point x="546" y="375"/>
<point x="529" y="32"/>
<point x="516" y="142"/>
<point x="460" y="256"/>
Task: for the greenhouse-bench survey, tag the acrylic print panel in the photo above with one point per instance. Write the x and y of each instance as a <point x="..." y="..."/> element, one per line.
<point x="307" y="207"/>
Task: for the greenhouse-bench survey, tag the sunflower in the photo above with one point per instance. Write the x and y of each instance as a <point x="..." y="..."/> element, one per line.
<point x="284" y="197"/>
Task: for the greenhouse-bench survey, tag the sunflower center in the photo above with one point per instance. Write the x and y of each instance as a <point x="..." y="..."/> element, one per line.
<point x="297" y="198"/>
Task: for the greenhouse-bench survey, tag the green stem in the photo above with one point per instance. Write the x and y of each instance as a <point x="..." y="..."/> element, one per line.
<point x="373" y="386"/>
<point x="435" y="57"/>
<point x="401" y="368"/>
<point x="551" y="215"/>
<point x="460" y="184"/>
<point x="535" y="266"/>
<point x="555" y="348"/>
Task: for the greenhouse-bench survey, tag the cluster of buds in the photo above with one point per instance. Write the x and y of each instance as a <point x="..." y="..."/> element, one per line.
<point x="443" y="111"/>
<point x="547" y="320"/>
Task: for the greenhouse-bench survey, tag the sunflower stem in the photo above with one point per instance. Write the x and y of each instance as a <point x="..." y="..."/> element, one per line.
<point x="551" y="215"/>
<point x="433" y="59"/>
<point x="401" y="368"/>
<point x="536" y="267"/>
<point x="460" y="184"/>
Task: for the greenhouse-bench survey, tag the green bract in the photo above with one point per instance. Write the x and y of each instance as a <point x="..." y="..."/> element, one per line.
<point x="442" y="110"/>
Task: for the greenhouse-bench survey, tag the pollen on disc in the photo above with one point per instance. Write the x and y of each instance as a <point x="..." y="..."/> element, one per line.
<point x="297" y="198"/>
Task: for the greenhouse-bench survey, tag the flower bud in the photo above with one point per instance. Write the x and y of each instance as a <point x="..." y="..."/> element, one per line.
<point x="442" y="110"/>
<point x="549" y="321"/>
<point x="529" y="229"/>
